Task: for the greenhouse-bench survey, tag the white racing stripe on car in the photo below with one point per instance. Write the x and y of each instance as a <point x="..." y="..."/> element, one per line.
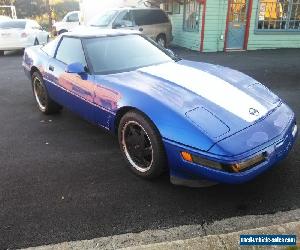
<point x="210" y="87"/>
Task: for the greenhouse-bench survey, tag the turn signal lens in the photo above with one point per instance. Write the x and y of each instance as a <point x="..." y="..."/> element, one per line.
<point x="235" y="168"/>
<point x="187" y="156"/>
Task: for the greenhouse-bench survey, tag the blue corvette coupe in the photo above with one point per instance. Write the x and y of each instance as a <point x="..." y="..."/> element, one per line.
<point x="203" y="123"/>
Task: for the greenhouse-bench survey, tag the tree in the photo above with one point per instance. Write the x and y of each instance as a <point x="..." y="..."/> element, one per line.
<point x="42" y="10"/>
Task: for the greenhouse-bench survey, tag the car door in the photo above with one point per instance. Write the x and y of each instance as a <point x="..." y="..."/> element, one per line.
<point x="74" y="91"/>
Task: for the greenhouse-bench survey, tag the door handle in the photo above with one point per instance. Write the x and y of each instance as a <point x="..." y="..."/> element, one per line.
<point x="141" y="29"/>
<point x="51" y="68"/>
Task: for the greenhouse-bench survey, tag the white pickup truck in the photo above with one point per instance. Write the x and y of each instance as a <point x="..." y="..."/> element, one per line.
<point x="70" y="21"/>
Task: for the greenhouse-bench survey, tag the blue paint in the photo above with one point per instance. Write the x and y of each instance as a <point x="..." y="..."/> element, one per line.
<point x="185" y="120"/>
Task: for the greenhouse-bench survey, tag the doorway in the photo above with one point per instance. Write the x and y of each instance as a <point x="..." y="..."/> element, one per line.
<point x="237" y="24"/>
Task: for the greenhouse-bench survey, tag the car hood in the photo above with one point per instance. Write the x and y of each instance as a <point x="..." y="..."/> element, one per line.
<point x="217" y="99"/>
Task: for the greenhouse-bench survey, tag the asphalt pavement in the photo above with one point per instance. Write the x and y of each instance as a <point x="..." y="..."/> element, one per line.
<point x="63" y="179"/>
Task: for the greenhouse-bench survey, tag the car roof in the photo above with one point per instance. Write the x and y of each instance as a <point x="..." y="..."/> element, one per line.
<point x="85" y="32"/>
<point x="133" y="8"/>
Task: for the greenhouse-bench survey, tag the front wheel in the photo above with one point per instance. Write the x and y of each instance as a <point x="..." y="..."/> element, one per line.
<point x="45" y="104"/>
<point x="141" y="145"/>
<point x="1" y="52"/>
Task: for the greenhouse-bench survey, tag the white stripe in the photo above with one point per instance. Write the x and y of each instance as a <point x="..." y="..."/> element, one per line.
<point x="210" y="87"/>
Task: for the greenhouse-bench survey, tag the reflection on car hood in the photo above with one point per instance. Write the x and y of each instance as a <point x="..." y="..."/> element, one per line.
<point x="232" y="97"/>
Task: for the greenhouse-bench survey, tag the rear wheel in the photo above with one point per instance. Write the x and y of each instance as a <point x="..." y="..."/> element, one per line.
<point x="45" y="104"/>
<point x="141" y="145"/>
<point x="1" y="52"/>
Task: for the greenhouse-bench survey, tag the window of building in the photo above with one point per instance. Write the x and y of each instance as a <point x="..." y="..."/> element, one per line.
<point x="176" y="7"/>
<point x="167" y="6"/>
<point x="171" y="6"/>
<point x="279" y="15"/>
<point x="191" y="15"/>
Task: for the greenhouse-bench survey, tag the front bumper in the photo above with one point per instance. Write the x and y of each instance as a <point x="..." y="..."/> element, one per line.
<point x="276" y="150"/>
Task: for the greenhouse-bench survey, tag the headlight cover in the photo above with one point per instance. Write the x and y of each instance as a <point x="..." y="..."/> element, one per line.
<point x="232" y="168"/>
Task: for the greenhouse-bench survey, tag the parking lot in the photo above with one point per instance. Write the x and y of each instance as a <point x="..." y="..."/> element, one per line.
<point x="62" y="179"/>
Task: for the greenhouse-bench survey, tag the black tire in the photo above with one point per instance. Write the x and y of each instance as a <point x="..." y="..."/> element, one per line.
<point x="162" y="40"/>
<point x="1" y="52"/>
<point x="36" y="42"/>
<point x="45" y="104"/>
<point x="152" y="144"/>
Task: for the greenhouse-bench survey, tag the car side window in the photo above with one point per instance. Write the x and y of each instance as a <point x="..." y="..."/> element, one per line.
<point x="70" y="51"/>
<point x="141" y="17"/>
<point x="124" y="19"/>
<point x="149" y="17"/>
<point x="50" y="47"/>
<point x="159" y="16"/>
<point x="73" y="17"/>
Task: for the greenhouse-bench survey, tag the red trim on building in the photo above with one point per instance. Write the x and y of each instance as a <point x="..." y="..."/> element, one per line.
<point x="203" y="26"/>
<point x="227" y="22"/>
<point x="249" y="12"/>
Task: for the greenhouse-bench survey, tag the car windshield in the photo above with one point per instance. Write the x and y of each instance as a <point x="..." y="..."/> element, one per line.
<point x="104" y="19"/>
<point x="12" y="24"/>
<point x="116" y="54"/>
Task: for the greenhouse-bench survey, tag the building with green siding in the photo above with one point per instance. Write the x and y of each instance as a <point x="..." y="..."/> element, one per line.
<point x="223" y="25"/>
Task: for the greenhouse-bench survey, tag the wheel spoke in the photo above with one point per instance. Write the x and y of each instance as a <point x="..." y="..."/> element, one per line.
<point x="147" y="151"/>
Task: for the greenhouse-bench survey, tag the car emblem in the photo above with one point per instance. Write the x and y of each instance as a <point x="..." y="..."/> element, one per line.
<point x="253" y="111"/>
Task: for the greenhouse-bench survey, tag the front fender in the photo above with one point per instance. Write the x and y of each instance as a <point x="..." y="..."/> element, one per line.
<point x="172" y="125"/>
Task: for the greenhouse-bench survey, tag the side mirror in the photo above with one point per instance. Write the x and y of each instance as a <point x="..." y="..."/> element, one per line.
<point x="76" y="68"/>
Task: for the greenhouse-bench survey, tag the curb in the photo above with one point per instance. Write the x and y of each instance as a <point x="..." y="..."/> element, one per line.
<point x="223" y="241"/>
<point x="223" y="234"/>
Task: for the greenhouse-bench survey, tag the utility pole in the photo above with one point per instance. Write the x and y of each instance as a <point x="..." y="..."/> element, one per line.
<point x="49" y="14"/>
